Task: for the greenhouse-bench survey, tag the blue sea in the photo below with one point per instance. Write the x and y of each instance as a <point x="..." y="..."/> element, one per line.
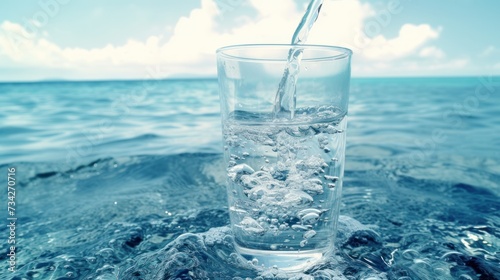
<point x="125" y="180"/>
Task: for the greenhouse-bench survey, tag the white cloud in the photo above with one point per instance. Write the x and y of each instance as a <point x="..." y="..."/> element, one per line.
<point x="431" y="52"/>
<point x="488" y="51"/>
<point x="191" y="48"/>
<point x="410" y="38"/>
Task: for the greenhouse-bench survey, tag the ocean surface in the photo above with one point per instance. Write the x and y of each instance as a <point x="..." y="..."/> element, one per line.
<point x="124" y="180"/>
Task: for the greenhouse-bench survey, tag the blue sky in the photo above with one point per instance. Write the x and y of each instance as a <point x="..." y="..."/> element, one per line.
<point x="87" y="40"/>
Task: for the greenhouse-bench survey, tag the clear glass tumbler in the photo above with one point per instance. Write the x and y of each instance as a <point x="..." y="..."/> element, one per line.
<point x="284" y="173"/>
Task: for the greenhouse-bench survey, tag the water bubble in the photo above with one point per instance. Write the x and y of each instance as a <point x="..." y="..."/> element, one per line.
<point x="314" y="186"/>
<point x="309" y="234"/>
<point x="237" y="171"/>
<point x="295" y="197"/>
<point x="331" y="185"/>
<point x="251" y="226"/>
<point x="234" y="157"/>
<point x="332" y="178"/>
<point x="310" y="218"/>
<point x="249" y="182"/>
<point x="300" y="228"/>
<point x="304" y="212"/>
<point x="303" y="243"/>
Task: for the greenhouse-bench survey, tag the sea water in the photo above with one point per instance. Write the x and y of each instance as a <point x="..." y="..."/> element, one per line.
<point x="147" y="198"/>
<point x="285" y="181"/>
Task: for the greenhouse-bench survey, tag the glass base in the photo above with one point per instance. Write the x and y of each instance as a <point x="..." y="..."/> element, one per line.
<point x="290" y="261"/>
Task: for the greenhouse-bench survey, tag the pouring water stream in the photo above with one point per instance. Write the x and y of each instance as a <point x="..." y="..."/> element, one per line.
<point x="284" y="103"/>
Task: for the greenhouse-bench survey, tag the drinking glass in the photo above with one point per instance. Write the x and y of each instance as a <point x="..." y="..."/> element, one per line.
<point x="284" y="169"/>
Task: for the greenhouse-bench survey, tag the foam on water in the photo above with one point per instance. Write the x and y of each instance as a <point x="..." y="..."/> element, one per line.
<point x="211" y="255"/>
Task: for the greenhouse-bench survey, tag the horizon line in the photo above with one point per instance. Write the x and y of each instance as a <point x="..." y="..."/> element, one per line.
<point x="61" y="80"/>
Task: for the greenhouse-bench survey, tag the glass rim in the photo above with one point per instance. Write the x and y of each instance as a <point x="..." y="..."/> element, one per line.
<point x="342" y="52"/>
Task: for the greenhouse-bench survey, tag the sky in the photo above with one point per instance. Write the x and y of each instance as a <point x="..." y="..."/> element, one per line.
<point x="150" y="39"/>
